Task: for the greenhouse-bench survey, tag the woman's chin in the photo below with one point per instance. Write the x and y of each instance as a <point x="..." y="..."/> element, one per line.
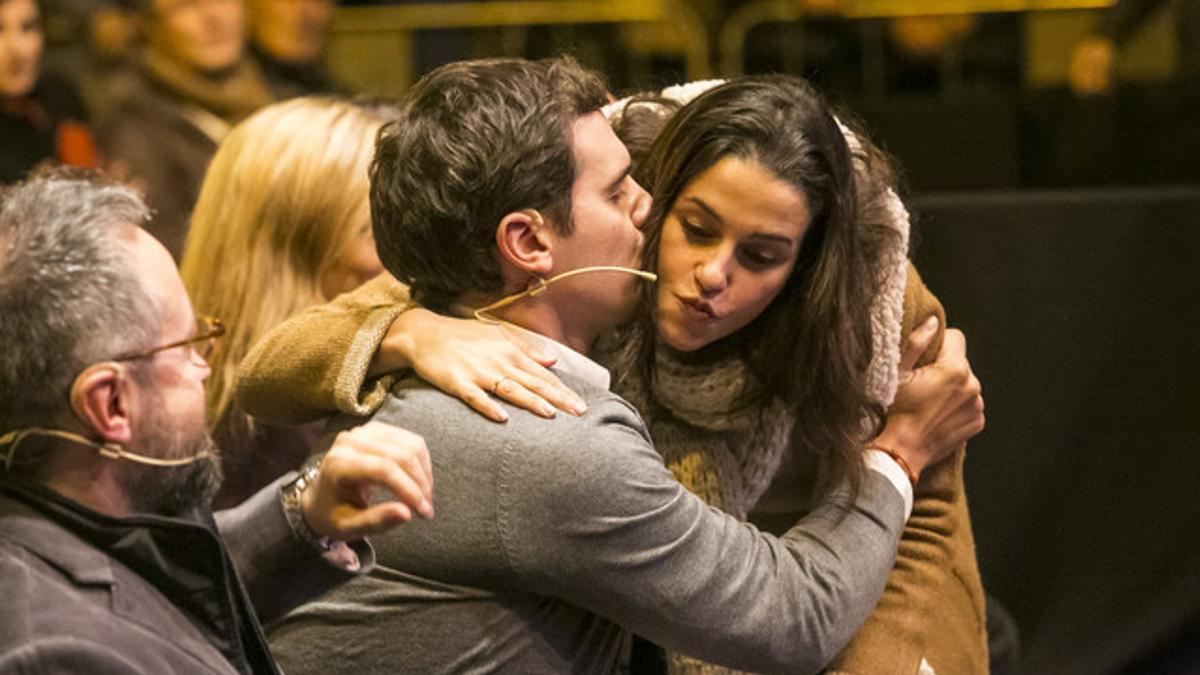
<point x="676" y="337"/>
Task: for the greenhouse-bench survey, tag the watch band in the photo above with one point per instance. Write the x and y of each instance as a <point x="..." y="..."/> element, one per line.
<point x="289" y="496"/>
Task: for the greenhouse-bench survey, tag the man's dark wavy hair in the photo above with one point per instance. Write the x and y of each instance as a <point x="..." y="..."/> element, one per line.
<point x="475" y="140"/>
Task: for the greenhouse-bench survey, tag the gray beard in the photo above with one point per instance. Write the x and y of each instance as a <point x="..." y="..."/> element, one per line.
<point x="175" y="490"/>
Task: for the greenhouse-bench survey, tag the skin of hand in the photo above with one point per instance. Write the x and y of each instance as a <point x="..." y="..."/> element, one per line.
<point x="938" y="406"/>
<point x="339" y="505"/>
<point x="475" y="361"/>
<point x="1092" y="66"/>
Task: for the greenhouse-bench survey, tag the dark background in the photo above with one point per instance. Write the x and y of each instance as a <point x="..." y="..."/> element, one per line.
<point x="1082" y="314"/>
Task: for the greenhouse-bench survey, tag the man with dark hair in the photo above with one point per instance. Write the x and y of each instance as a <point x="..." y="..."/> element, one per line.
<point x="478" y="141"/>
<point x="556" y="538"/>
<point x="109" y="558"/>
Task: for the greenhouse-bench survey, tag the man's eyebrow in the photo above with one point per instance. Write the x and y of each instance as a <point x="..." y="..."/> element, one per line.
<point x="616" y="184"/>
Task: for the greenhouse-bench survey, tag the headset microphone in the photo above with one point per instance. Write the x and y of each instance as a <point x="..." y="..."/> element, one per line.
<point x="110" y="450"/>
<point x="542" y="284"/>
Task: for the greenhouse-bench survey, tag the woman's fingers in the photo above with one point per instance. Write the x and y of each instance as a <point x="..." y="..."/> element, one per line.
<point x="480" y="402"/>
<point x="917" y="344"/>
<point x="516" y="391"/>
<point x="484" y="364"/>
<point x="529" y="349"/>
<point x="518" y="379"/>
<point x="546" y="386"/>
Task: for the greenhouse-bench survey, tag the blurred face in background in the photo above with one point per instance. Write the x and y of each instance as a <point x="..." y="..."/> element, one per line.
<point x="292" y="31"/>
<point x="358" y="262"/>
<point x="206" y="36"/>
<point x="20" y="47"/>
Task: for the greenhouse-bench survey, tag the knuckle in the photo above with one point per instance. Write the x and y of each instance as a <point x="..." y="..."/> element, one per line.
<point x="396" y="476"/>
<point x="337" y="450"/>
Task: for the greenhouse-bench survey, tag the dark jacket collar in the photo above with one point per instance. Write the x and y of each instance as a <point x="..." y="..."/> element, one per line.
<point x="59" y="548"/>
<point x="182" y="557"/>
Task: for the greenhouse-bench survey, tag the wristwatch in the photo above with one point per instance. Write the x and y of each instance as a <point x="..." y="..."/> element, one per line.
<point x="290" y="494"/>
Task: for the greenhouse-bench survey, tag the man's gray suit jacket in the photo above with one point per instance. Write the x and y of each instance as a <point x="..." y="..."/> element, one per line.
<point x="554" y="539"/>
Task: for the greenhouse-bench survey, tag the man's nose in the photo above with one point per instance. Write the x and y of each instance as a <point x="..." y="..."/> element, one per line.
<point x="642" y="201"/>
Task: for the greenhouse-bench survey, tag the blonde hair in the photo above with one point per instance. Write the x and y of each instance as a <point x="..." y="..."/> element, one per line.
<point x="280" y="204"/>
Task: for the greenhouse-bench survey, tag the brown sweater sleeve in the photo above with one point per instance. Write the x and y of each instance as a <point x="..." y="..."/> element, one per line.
<point x="932" y="607"/>
<point x="315" y="364"/>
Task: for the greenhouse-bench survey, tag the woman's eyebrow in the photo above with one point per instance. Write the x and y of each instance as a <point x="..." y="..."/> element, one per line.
<point x="700" y="204"/>
<point x="779" y="238"/>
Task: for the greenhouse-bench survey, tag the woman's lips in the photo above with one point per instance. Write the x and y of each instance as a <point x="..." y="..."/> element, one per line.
<point x="697" y="309"/>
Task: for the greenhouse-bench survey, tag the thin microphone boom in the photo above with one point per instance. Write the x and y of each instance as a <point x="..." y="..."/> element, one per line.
<point x="542" y="284"/>
<point x="110" y="450"/>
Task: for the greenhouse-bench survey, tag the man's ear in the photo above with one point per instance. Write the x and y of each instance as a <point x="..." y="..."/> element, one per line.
<point x="526" y="243"/>
<point x="100" y="398"/>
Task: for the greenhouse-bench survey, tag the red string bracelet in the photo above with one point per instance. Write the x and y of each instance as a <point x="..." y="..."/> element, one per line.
<point x="912" y="476"/>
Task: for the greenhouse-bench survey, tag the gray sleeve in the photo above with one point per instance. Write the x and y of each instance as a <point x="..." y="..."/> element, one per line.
<point x="278" y="568"/>
<point x="612" y="531"/>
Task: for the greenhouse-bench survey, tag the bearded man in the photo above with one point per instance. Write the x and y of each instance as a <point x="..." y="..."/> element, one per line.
<point x="110" y="560"/>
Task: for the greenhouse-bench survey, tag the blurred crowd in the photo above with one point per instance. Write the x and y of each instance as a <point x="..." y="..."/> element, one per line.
<point x="148" y="88"/>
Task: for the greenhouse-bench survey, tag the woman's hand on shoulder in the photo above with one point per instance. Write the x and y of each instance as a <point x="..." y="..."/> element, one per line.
<point x="477" y="362"/>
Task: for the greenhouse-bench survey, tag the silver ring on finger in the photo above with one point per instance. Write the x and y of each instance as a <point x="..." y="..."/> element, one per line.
<point x="498" y="383"/>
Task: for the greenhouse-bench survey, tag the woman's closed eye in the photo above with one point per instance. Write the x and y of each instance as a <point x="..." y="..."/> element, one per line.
<point x="759" y="259"/>
<point x="695" y="233"/>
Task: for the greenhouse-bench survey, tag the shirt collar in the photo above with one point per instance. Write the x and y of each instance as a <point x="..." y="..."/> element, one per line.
<point x="568" y="360"/>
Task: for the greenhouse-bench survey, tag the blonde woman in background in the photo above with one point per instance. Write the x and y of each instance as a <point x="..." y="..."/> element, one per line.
<point x="282" y="223"/>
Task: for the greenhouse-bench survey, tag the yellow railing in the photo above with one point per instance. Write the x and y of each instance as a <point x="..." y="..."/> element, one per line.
<point x="875" y="9"/>
<point x="371" y="47"/>
<point x="735" y="29"/>
<point x="373" y="44"/>
<point x="494" y="14"/>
